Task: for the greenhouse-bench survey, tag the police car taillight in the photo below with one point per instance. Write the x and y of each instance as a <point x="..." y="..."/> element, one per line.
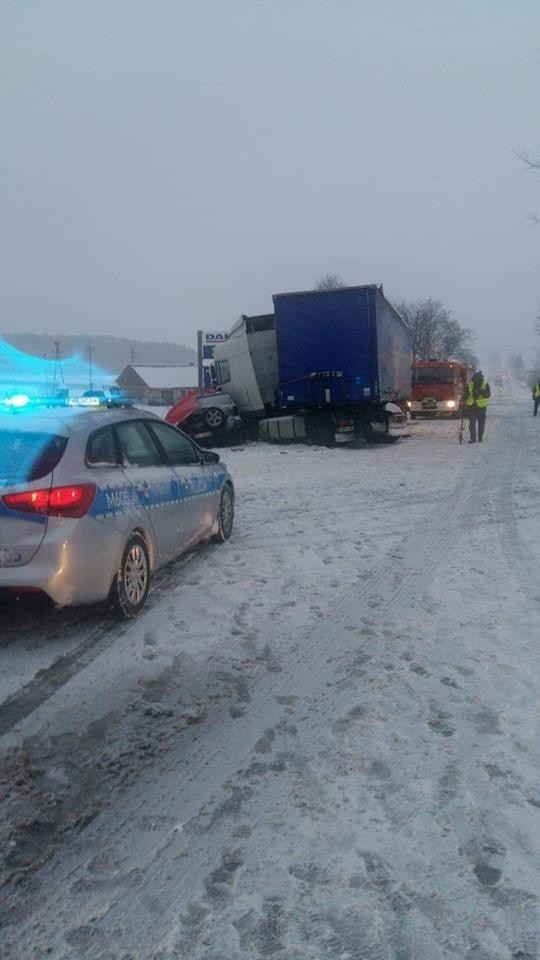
<point x="73" y="501"/>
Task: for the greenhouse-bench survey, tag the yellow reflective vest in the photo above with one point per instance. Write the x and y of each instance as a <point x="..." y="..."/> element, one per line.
<point x="536" y="391"/>
<point x="472" y="401"/>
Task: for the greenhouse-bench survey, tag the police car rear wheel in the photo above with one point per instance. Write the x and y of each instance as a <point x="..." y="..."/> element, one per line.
<point x="130" y="586"/>
<point x="225" y="515"/>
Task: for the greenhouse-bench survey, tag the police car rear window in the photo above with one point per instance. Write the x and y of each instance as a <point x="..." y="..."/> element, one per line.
<point x="28" y="455"/>
<point x="101" y="449"/>
<point x="136" y="445"/>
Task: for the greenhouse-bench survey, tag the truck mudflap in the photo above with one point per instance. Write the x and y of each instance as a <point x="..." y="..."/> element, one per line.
<point x="330" y="428"/>
<point x="387" y="423"/>
<point x="399" y="424"/>
<point x="344" y="430"/>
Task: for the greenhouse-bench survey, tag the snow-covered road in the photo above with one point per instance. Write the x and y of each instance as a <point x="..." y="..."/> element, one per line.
<point x="319" y="741"/>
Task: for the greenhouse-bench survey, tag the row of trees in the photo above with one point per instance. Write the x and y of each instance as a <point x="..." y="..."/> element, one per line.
<point x="435" y="333"/>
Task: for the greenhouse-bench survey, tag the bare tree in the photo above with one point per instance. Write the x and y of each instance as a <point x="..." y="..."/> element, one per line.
<point x="434" y="332"/>
<point x="454" y="339"/>
<point x="330" y="281"/>
<point x="468" y="356"/>
<point x="424" y="321"/>
<point x="532" y="163"/>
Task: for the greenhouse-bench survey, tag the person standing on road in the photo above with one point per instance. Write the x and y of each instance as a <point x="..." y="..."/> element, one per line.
<point x="536" y="397"/>
<point x="477" y="397"/>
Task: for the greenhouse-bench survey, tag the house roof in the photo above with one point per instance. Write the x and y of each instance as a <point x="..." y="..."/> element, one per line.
<point x="167" y="376"/>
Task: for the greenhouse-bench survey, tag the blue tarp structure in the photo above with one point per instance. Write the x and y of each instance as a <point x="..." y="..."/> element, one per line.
<point x="37" y="376"/>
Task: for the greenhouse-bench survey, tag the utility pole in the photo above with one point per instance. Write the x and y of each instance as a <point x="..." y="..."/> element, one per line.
<point x="132" y="356"/>
<point x="90" y="351"/>
<point x="57" y="364"/>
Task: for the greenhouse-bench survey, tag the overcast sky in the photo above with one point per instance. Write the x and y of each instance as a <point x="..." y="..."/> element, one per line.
<point x="166" y="166"/>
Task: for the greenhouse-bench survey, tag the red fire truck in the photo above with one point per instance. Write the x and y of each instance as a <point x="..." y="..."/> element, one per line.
<point x="437" y="387"/>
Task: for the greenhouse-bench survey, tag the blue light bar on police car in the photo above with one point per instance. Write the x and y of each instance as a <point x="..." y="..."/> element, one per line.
<point x="18" y="400"/>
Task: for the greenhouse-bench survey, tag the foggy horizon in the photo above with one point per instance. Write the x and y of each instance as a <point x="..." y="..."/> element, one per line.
<point x="168" y="168"/>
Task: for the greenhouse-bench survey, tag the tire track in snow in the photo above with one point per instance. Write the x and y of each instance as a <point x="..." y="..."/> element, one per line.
<point x="418" y="553"/>
<point x="49" y="680"/>
<point x="513" y="547"/>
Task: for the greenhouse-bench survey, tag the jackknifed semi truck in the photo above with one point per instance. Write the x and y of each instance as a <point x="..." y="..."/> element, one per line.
<point x="327" y="367"/>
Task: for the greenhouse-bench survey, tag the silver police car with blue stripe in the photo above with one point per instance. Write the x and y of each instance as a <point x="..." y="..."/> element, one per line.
<point x="93" y="501"/>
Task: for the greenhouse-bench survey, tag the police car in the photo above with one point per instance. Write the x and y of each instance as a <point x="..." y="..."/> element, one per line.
<point x="93" y="501"/>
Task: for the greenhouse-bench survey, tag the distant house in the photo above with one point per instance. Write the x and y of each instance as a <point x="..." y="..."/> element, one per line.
<point x="153" y="384"/>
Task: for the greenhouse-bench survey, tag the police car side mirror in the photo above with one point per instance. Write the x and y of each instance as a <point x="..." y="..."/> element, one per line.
<point x="208" y="456"/>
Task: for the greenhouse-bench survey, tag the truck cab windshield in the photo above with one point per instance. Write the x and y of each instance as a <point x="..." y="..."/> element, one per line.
<point x="433" y="375"/>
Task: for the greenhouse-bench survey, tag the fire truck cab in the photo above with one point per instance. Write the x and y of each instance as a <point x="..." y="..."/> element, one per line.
<point x="437" y="387"/>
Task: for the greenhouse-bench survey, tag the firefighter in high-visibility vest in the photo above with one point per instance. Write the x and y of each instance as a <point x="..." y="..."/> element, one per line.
<point x="477" y="396"/>
<point x="536" y="397"/>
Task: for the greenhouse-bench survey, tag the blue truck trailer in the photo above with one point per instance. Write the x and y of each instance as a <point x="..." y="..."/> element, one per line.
<point x="329" y="367"/>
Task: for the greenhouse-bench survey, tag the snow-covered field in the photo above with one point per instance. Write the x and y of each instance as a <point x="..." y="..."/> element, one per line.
<point x="320" y="740"/>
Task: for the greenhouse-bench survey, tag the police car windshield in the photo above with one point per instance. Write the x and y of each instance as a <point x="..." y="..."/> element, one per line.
<point x="28" y="455"/>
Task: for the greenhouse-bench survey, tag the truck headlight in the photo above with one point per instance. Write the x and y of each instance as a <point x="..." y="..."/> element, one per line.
<point x="450" y="404"/>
